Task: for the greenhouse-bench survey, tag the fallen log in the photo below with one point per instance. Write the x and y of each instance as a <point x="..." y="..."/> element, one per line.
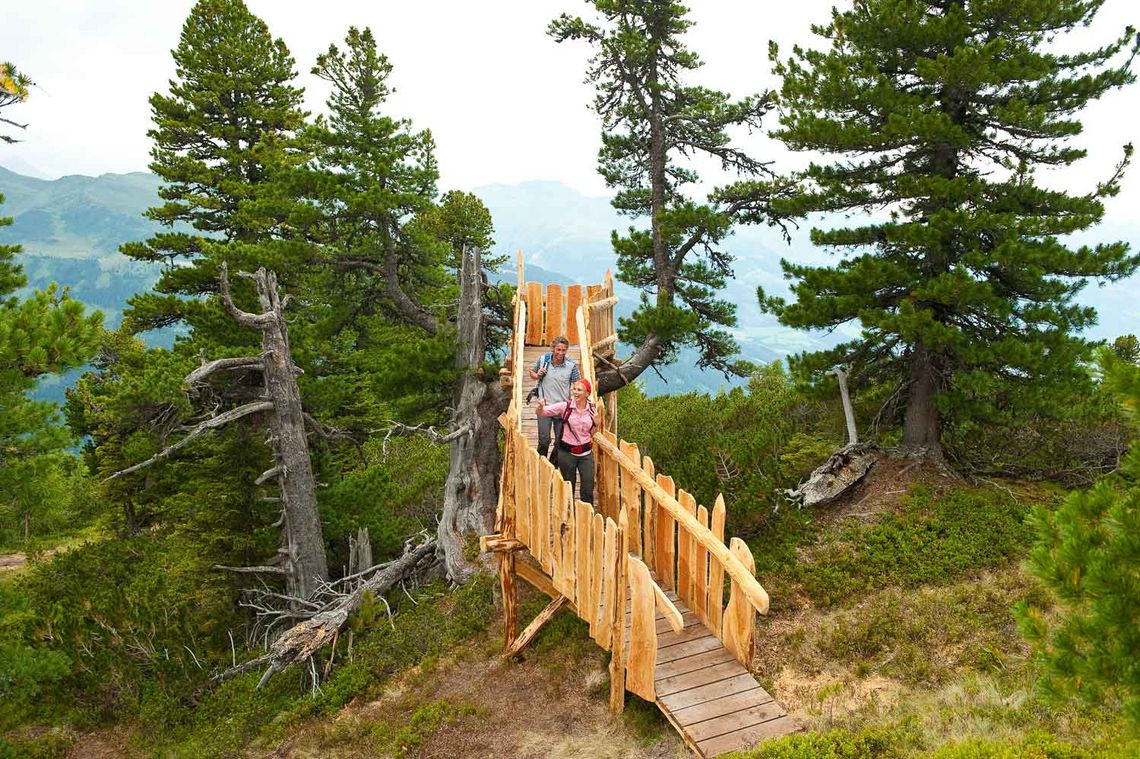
<point x="843" y="470"/>
<point x="301" y="641"/>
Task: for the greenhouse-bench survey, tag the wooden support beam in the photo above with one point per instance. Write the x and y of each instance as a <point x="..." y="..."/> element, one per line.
<point x="510" y="599"/>
<point x="537" y="624"/>
<point x="739" y="573"/>
<point x="529" y="571"/>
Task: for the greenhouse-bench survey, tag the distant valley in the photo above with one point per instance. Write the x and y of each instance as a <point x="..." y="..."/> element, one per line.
<point x="71" y="229"/>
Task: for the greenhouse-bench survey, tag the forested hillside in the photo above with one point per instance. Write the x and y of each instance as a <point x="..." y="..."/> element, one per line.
<point x="264" y="515"/>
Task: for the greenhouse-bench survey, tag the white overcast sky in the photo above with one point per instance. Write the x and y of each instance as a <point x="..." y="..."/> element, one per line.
<point x="504" y="101"/>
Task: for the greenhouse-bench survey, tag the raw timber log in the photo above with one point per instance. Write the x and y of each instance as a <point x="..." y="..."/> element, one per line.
<point x="301" y="641"/>
<point x="832" y="478"/>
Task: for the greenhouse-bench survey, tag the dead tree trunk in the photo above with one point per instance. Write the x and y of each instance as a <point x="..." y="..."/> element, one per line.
<point x="471" y="493"/>
<point x="302" y="554"/>
<point x="848" y="412"/>
<point x="303" y="548"/>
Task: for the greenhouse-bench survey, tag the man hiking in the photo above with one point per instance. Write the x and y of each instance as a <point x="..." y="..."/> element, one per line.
<point x="555" y="374"/>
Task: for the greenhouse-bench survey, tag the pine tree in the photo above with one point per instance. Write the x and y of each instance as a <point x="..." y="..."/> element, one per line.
<point x="13" y="89"/>
<point x="45" y="333"/>
<point x="654" y="122"/>
<point x="1088" y="553"/>
<point x="226" y="124"/>
<point x="940" y="116"/>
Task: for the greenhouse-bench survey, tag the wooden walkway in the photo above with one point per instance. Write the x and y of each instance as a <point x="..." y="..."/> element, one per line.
<point x="707" y="695"/>
<point x="645" y="557"/>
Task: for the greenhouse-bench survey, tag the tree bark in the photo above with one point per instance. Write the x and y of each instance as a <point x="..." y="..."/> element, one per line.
<point x="472" y="489"/>
<point x="922" y="426"/>
<point x="302" y="538"/>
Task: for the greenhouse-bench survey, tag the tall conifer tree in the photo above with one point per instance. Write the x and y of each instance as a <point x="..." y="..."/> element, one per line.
<point x="228" y="120"/>
<point x="654" y="122"/>
<point x="44" y="333"/>
<point x="940" y="115"/>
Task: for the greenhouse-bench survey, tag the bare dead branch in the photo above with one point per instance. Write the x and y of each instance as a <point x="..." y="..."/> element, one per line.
<point x="251" y="570"/>
<point x="398" y="428"/>
<point x="300" y="642"/>
<point x="221" y="364"/>
<point x="212" y="423"/>
<point x="267" y="475"/>
<point x="255" y="321"/>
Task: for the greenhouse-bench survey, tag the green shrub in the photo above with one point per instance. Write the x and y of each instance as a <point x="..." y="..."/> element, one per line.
<point x="747" y="443"/>
<point x="870" y="743"/>
<point x="932" y="541"/>
<point x="1033" y="746"/>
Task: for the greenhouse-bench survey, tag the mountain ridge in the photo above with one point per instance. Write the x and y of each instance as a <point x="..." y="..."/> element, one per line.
<point x="71" y="229"/>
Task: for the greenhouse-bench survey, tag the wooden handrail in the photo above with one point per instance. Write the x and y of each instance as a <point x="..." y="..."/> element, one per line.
<point x="752" y="589"/>
<point x="603" y="303"/>
<point x="605" y="342"/>
<point x="520" y="363"/>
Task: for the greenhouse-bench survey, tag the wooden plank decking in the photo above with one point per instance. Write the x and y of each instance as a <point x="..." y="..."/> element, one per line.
<point x="710" y="698"/>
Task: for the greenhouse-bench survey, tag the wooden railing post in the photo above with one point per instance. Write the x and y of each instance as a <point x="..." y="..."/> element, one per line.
<point x="617" y="620"/>
<point x="739" y="629"/>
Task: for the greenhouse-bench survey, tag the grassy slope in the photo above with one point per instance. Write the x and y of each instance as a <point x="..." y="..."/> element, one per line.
<point x="891" y="634"/>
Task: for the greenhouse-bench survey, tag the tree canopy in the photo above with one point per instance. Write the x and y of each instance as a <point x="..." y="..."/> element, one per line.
<point x="654" y="122"/>
<point x="940" y="118"/>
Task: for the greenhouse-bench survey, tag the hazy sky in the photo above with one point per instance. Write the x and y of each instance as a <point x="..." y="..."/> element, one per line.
<point x="504" y="101"/>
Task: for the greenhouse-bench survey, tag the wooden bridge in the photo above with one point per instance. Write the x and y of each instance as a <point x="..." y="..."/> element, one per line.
<point x="646" y="566"/>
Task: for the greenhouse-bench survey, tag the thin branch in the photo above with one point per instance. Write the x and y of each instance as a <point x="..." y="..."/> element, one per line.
<point x="252" y="570"/>
<point x="212" y="423"/>
<point x="222" y="364"/>
<point x="428" y="432"/>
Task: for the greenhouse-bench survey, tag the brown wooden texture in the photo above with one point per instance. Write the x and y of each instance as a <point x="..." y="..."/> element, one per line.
<point x="586" y="365"/>
<point x="541" y="494"/>
<point x="555" y="324"/>
<point x="524" y="525"/>
<point x="643" y="632"/>
<point x="534" y="331"/>
<point x="529" y="570"/>
<point x="701" y="564"/>
<point x="716" y="570"/>
<point x="666" y="538"/>
<point x="666" y="501"/>
<point x="739" y="629"/>
<point x="582" y="539"/>
<point x="563" y="575"/>
<point x="649" y="520"/>
<point x="573" y="301"/>
<point x="544" y="616"/>
<point x="519" y="338"/>
<point x="631" y="499"/>
<point x="617" y="620"/>
<point x="609" y="585"/>
<point x="510" y="598"/>
<point x="609" y="475"/>
<point x="597" y="551"/>
<point x="685" y="555"/>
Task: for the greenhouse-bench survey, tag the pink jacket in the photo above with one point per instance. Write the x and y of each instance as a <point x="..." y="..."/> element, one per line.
<point x="579" y="428"/>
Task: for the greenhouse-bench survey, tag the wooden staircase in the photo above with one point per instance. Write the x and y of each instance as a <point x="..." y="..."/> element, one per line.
<point x="706" y="694"/>
<point x="645" y="558"/>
